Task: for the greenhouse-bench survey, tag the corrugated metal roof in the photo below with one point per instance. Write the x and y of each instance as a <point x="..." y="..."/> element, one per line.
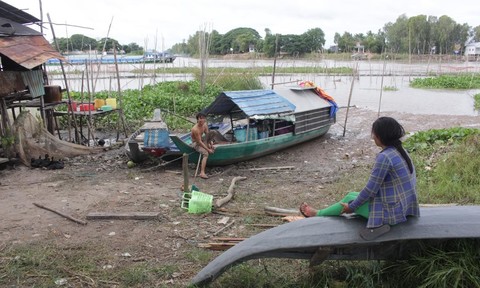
<point x="249" y="103"/>
<point x="28" y="51"/>
<point x="15" y="14"/>
<point x="266" y="102"/>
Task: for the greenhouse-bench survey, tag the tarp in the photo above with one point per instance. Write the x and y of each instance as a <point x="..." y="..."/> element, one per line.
<point x="249" y="103"/>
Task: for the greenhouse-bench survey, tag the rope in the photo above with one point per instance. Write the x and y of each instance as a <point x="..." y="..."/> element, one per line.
<point x="168" y="162"/>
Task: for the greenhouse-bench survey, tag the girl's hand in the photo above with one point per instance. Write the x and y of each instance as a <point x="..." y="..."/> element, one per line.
<point x="346" y="209"/>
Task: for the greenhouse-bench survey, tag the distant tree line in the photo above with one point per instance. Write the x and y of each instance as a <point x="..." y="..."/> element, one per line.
<point x="241" y="40"/>
<point x="79" y="42"/>
<point x="419" y="34"/>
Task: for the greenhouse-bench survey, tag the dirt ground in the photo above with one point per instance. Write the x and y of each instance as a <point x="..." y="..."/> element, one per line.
<point x="103" y="183"/>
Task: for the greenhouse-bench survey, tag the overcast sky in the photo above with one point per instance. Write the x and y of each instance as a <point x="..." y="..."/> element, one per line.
<point x="173" y="21"/>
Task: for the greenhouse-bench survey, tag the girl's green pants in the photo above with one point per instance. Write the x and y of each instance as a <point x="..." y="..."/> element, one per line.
<point x="335" y="209"/>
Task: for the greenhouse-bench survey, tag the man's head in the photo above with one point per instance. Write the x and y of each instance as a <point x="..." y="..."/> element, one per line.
<point x="200" y="115"/>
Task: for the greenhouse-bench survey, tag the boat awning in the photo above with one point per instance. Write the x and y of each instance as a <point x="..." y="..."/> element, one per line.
<point x="250" y="103"/>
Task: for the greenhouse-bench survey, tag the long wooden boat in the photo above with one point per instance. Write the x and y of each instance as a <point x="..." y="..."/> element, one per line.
<point x="337" y="238"/>
<point x="264" y="121"/>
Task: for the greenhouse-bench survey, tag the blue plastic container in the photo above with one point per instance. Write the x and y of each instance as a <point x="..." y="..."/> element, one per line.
<point x="241" y="133"/>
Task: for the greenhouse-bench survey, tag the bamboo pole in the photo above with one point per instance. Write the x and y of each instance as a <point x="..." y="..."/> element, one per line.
<point x="274" y="62"/>
<point x="94" y="84"/>
<point x="66" y="88"/>
<point x="350" y="98"/>
<point x="120" y="97"/>
<point x="90" y="130"/>
<point x="381" y="85"/>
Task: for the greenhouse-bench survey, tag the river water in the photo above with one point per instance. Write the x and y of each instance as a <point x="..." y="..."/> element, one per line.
<point x="366" y="90"/>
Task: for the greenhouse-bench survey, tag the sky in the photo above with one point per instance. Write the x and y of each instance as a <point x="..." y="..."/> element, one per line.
<point x="159" y="24"/>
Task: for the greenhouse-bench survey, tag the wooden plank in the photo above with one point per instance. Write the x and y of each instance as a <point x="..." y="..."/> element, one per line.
<point x="123" y="215"/>
<point x="272" y="168"/>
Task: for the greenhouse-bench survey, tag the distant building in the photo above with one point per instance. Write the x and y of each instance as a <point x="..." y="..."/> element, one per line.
<point x="334" y="49"/>
<point x="472" y="51"/>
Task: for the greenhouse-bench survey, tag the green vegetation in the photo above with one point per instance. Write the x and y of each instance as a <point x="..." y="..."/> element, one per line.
<point x="390" y="88"/>
<point x="447" y="163"/>
<point x="476" y="98"/>
<point x="181" y="100"/>
<point x="463" y="81"/>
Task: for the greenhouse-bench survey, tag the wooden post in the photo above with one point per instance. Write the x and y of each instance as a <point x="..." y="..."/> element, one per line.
<point x="185" y="172"/>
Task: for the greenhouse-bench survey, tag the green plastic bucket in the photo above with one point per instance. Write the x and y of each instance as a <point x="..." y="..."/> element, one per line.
<point x="197" y="202"/>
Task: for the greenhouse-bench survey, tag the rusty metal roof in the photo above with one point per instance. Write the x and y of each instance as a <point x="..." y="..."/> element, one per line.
<point x="28" y="51"/>
<point x="15" y="14"/>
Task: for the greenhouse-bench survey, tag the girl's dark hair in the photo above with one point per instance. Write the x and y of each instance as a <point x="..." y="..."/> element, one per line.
<point x="389" y="132"/>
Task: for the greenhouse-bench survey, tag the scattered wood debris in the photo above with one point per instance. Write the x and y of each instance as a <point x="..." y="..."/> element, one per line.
<point x="273" y="168"/>
<point x="220" y="202"/>
<point x="221" y="244"/>
<point x="274" y="211"/>
<point x="123" y="215"/>
<point x="61" y="214"/>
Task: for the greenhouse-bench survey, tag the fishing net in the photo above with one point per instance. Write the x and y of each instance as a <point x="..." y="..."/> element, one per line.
<point x="32" y="140"/>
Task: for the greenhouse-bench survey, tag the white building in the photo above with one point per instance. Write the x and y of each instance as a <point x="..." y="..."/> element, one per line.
<point x="472" y="51"/>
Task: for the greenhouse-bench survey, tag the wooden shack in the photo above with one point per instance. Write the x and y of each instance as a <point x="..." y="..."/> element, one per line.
<point x="22" y="79"/>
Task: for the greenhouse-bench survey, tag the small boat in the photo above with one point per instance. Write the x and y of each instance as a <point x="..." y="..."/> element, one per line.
<point x="265" y="121"/>
<point x="152" y="140"/>
<point x="335" y="238"/>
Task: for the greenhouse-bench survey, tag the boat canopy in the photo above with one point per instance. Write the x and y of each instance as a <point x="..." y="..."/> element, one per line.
<point x="250" y="103"/>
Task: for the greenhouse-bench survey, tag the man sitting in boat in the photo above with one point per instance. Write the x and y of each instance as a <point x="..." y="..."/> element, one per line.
<point x="199" y="142"/>
<point x="390" y="194"/>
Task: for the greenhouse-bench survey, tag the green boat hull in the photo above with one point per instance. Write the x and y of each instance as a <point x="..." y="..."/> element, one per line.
<point x="226" y="154"/>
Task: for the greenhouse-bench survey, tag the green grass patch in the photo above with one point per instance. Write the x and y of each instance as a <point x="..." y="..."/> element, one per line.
<point x="462" y="81"/>
<point x="476" y="99"/>
<point x="39" y="265"/>
<point x="447" y="162"/>
<point x="451" y="263"/>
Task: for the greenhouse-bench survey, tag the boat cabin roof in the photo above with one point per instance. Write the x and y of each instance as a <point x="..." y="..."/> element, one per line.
<point x="281" y="101"/>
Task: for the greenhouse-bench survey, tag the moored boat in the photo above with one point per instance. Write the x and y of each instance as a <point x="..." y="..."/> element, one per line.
<point x="265" y="121"/>
<point x="337" y="238"/>
<point x="152" y="140"/>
